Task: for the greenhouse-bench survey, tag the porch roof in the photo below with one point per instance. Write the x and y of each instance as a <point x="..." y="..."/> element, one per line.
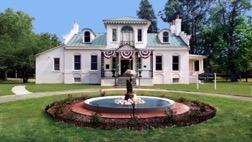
<point x="196" y="57"/>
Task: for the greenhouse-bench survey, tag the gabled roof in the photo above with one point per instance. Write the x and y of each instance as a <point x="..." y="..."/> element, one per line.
<point x="175" y="41"/>
<point x="99" y="40"/>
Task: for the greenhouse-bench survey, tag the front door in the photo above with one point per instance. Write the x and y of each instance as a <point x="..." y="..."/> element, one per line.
<point x="126" y="64"/>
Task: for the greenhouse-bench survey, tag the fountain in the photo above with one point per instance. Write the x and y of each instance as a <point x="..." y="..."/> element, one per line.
<point x="124" y="104"/>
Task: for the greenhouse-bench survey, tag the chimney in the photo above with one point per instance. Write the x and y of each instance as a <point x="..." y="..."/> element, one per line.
<point x="75" y="27"/>
<point x="74" y="30"/>
<point x="172" y="28"/>
<point x="178" y="22"/>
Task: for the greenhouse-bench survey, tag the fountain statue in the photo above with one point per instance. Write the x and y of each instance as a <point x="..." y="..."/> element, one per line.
<point x="129" y="94"/>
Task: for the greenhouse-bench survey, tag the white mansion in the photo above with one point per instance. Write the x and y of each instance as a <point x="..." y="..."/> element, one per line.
<point x="93" y="58"/>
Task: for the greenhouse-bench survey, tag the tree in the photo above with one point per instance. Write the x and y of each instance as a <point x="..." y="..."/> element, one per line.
<point x="146" y="12"/>
<point x="195" y="16"/>
<point x="232" y="46"/>
<point x="19" y="44"/>
<point x="14" y="26"/>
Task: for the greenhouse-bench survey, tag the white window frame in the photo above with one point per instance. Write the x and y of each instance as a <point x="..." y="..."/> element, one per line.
<point x="91" y="62"/>
<point x="167" y="36"/>
<point x="178" y="63"/>
<point x="54" y="64"/>
<point x="162" y="67"/>
<point x="74" y="62"/>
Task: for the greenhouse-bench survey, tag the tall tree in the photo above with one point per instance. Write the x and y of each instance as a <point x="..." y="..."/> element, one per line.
<point x="146" y="12"/>
<point x="232" y="47"/>
<point x="19" y="44"/>
<point x="194" y="14"/>
<point x="14" y="27"/>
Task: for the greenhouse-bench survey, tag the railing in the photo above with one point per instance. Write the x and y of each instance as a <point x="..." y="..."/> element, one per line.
<point x="129" y="43"/>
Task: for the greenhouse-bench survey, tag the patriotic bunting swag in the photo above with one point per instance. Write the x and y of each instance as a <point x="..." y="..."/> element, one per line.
<point x="108" y="54"/>
<point x="126" y="54"/>
<point x="144" y="53"/>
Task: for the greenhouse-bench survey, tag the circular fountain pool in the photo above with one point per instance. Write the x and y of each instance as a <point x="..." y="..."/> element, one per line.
<point x="107" y="104"/>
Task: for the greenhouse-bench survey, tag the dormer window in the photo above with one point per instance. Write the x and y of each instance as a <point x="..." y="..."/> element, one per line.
<point x="87" y="38"/>
<point x="165" y="37"/>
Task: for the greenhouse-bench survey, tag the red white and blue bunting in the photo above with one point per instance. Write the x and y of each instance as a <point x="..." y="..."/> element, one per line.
<point x="126" y="54"/>
<point x="108" y="54"/>
<point x="144" y="53"/>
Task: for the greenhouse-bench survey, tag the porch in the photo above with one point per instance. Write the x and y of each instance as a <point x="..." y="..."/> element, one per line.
<point x="196" y="66"/>
<point x="114" y="64"/>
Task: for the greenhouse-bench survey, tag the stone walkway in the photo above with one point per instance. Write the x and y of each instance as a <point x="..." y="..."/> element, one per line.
<point x="20" y="90"/>
<point x="5" y="99"/>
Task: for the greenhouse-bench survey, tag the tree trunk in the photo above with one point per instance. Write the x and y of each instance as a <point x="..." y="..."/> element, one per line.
<point x="246" y="76"/>
<point x="3" y="75"/>
<point x="25" y="79"/>
<point x="25" y="75"/>
<point x="234" y="76"/>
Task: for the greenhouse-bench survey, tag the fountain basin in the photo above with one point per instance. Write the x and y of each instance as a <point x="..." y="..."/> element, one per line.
<point x="107" y="104"/>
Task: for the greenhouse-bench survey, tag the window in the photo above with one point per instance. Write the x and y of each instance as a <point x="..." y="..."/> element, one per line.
<point x="107" y="67"/>
<point x="114" y="63"/>
<point x="77" y="62"/>
<point x="165" y="37"/>
<point x="196" y="65"/>
<point x="139" y="35"/>
<point x="175" y="80"/>
<point x="159" y="63"/>
<point x="175" y="63"/>
<point x="56" y="64"/>
<point x="77" y="79"/>
<point x="87" y="36"/>
<point x="93" y="62"/>
<point x="114" y="35"/>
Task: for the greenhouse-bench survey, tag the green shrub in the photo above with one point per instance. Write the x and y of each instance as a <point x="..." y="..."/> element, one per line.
<point x="169" y="118"/>
<point x="195" y="114"/>
<point x="134" y="122"/>
<point x="96" y="119"/>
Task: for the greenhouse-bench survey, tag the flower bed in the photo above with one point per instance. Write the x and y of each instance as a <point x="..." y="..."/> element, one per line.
<point x="62" y="111"/>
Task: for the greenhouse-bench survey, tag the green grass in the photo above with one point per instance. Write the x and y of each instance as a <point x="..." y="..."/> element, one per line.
<point x="6" y="86"/>
<point x="5" y="89"/>
<point x="228" y="88"/>
<point x="57" y="87"/>
<point x="26" y="121"/>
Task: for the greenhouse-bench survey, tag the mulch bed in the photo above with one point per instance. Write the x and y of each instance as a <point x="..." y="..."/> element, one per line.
<point x="199" y="112"/>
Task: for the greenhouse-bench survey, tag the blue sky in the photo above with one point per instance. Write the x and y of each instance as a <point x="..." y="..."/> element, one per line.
<point x="57" y="16"/>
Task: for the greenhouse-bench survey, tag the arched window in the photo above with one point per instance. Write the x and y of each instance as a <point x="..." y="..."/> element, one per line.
<point x="127" y="34"/>
<point x="87" y="36"/>
<point x="165" y="37"/>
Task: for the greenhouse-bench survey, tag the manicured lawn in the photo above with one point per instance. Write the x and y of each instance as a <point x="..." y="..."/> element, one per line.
<point x="57" y="87"/>
<point x="238" y="88"/>
<point x="6" y="86"/>
<point x="5" y="89"/>
<point x="26" y="121"/>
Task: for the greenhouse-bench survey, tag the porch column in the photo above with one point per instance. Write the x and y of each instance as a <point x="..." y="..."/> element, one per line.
<point x="137" y="64"/>
<point x="102" y="65"/>
<point x="117" y="68"/>
<point x="151" y="63"/>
